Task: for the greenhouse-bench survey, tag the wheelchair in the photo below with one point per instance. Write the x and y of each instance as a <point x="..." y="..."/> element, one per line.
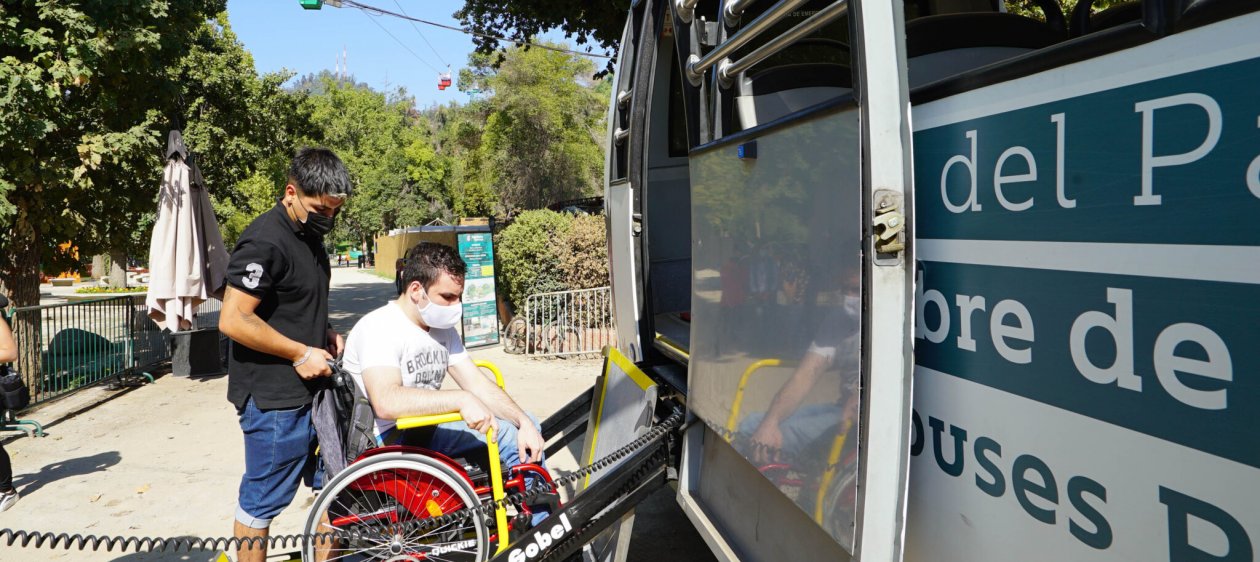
<point x="834" y="491"/>
<point x="387" y="487"/>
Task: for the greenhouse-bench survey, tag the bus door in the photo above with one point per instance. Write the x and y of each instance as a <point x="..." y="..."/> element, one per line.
<point x="792" y="210"/>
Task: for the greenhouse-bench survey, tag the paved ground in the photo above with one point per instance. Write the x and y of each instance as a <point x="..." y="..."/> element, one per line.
<point x="164" y="460"/>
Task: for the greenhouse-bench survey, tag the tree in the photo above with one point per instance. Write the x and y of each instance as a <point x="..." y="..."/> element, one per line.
<point x="243" y="126"/>
<point x="380" y="138"/>
<point x="544" y="128"/>
<point x="87" y="87"/>
<point x="582" y="21"/>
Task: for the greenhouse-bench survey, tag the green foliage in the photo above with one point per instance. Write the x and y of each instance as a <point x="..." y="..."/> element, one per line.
<point x="584" y="253"/>
<point x="109" y="290"/>
<point x="398" y="177"/>
<point x="1029" y="7"/>
<point x="540" y="142"/>
<point x="87" y="89"/>
<point x="92" y="89"/>
<point x="583" y="21"/>
<point x="545" y="251"/>
<point x="529" y="254"/>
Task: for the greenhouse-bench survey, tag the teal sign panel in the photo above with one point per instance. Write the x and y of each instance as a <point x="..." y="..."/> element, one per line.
<point x="481" y="321"/>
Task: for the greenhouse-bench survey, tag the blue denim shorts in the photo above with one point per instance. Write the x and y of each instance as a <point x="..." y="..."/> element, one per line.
<point x="279" y="455"/>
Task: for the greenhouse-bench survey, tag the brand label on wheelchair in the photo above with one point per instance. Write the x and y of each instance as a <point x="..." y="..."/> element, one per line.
<point x="461" y="546"/>
<point x="541" y="541"/>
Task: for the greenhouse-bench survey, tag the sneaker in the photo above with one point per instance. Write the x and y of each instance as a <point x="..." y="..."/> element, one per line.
<point x="8" y="499"/>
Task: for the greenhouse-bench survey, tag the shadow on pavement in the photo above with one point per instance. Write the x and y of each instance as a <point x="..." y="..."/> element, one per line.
<point x="356" y="299"/>
<point x="28" y="483"/>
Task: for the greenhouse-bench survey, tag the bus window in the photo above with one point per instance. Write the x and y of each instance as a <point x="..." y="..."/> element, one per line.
<point x="1086" y="19"/>
<point x="808" y="72"/>
<point x="949" y="42"/>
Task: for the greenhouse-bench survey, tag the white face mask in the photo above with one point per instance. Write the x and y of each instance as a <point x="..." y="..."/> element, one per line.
<point x="441" y="316"/>
<point x="853" y="305"/>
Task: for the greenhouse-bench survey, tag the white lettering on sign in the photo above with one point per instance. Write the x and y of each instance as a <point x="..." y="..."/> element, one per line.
<point x="1218" y="365"/>
<point x="1016" y="165"/>
<point x="1060" y="138"/>
<point x="1150" y="161"/>
<point x="541" y="540"/>
<point x="1012" y="334"/>
<point x="999" y="179"/>
<point x="1120" y="328"/>
<point x="972" y="203"/>
<point x="1253" y="172"/>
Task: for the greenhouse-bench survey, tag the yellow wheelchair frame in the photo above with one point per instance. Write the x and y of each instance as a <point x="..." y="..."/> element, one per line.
<point x="837" y="446"/>
<point x="492" y="444"/>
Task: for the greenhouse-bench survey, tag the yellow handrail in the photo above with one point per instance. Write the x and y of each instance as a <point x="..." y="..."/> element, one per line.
<point x="739" y="392"/>
<point x="496" y="469"/>
<point x="833" y="462"/>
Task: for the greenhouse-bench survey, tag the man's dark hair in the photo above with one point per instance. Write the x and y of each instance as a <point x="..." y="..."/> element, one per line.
<point x="318" y="171"/>
<point x="427" y="261"/>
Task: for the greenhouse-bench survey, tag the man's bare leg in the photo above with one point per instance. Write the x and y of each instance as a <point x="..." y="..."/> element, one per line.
<point x="245" y="553"/>
<point x="324" y="548"/>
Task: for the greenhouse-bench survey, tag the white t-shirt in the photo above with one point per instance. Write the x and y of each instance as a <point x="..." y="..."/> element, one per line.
<point x="385" y="337"/>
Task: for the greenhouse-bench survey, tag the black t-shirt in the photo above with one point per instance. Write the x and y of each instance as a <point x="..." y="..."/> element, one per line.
<point x="288" y="270"/>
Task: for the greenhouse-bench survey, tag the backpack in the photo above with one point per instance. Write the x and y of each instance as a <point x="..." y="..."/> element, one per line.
<point x="14" y="395"/>
<point x="344" y="422"/>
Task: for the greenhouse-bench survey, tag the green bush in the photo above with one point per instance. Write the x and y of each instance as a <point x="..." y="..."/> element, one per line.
<point x="546" y="251"/>
<point x="584" y="253"/>
<point x="110" y="290"/>
<point x="529" y="254"/>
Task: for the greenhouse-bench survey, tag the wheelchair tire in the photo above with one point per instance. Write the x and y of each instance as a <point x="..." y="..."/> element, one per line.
<point x="393" y="488"/>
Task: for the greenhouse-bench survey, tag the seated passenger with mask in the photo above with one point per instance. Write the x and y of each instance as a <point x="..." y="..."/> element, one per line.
<point x="399" y="355"/>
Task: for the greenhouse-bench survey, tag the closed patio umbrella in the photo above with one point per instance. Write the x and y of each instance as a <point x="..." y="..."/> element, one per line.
<point x="187" y="260"/>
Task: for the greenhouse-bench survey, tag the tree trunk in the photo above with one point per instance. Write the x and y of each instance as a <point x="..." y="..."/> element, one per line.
<point x="22" y="283"/>
<point x="117" y="268"/>
<point x="98" y="267"/>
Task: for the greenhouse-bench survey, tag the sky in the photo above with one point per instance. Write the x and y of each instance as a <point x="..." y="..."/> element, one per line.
<point x="282" y="35"/>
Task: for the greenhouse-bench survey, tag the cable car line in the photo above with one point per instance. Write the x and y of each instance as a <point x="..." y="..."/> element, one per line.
<point x="425" y="39"/>
<point x="381" y="11"/>
<point x="404" y="45"/>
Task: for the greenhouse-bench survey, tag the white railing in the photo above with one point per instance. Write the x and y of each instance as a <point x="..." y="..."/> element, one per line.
<point x="564" y="323"/>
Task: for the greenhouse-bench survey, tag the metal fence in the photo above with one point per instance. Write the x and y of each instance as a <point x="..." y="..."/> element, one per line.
<point x="565" y="323"/>
<point x="66" y="347"/>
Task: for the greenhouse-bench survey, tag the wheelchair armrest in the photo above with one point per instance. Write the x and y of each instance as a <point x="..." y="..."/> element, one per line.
<point x="410" y="422"/>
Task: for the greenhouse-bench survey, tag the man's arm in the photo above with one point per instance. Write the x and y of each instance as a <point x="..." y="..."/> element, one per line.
<point x="768" y="438"/>
<point x="391" y="400"/>
<point x="239" y="322"/>
<point x="8" y="348"/>
<point x="469" y="377"/>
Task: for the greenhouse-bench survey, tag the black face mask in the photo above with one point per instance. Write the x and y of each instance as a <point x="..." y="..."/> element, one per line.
<point x="317" y="224"/>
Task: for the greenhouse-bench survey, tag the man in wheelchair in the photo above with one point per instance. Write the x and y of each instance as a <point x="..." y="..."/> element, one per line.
<point x="400" y="354"/>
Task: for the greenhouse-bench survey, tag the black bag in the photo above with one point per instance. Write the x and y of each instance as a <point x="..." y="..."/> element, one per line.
<point x="344" y="421"/>
<point x="14" y="395"/>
